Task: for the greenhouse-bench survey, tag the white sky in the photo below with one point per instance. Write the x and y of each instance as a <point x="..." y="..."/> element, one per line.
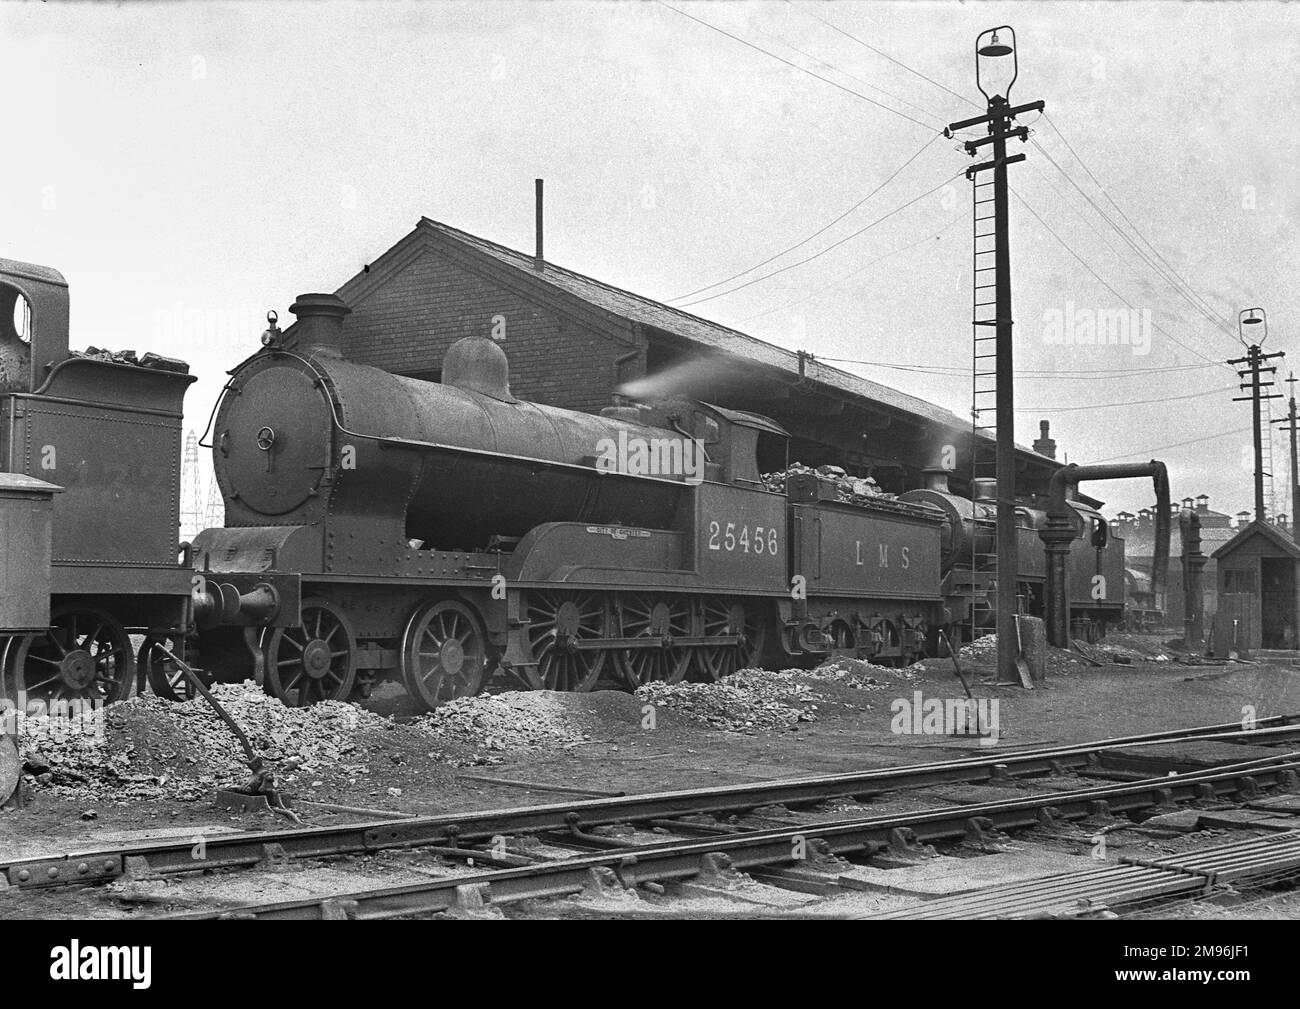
<point x="188" y="166"/>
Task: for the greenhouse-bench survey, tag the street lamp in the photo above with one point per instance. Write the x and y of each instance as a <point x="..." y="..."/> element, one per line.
<point x="1251" y="317"/>
<point x="992" y="48"/>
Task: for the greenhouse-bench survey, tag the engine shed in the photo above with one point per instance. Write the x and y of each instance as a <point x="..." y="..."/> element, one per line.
<point x="1258" y="573"/>
<point x="580" y="344"/>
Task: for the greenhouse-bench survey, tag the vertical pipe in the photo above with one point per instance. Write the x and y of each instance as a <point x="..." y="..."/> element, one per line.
<point x="539" y="262"/>
<point x="1193" y="566"/>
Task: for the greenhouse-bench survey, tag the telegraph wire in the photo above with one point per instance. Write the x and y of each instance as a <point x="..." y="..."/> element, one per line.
<point x="850" y="276"/>
<point x="1084" y="264"/>
<point x="1177" y="444"/>
<point x="1131" y="402"/>
<point x="1070" y="147"/>
<point x="861" y="80"/>
<point x="1173" y="278"/>
<point x="879" y="52"/>
<point x="1110" y="244"/>
<point x="833" y="245"/>
<point x="819" y="231"/>
<point x="1191" y="298"/>
<point x="796" y="66"/>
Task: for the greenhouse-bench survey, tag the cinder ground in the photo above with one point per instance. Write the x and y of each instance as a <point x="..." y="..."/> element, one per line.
<point x="604" y="741"/>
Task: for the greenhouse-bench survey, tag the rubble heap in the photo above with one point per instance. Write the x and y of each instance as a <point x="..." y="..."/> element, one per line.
<point x="748" y="701"/>
<point x="485" y="729"/>
<point x="858" y="674"/>
<point x="147" y="747"/>
<point x="980" y="657"/>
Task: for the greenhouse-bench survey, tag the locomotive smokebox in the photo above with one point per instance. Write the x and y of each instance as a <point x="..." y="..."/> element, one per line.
<point x="320" y="324"/>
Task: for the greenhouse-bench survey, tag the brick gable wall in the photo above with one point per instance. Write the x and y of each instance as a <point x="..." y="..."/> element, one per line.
<point x="406" y="324"/>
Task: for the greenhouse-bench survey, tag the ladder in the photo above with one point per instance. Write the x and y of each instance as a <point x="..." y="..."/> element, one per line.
<point x="1266" y="463"/>
<point x="984" y="393"/>
<point x="984" y="335"/>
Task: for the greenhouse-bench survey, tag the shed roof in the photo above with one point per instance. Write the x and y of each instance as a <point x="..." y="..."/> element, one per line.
<point x="645" y="311"/>
<point x="1280" y="540"/>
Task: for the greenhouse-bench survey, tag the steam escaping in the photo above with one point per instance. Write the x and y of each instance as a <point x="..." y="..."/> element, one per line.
<point x="700" y="376"/>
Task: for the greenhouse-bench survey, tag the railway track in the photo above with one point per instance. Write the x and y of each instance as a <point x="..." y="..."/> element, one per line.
<point x="725" y="847"/>
<point x="702" y="843"/>
<point x="464" y="830"/>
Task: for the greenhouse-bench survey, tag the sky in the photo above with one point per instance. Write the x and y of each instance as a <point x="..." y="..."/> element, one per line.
<point x="190" y="166"/>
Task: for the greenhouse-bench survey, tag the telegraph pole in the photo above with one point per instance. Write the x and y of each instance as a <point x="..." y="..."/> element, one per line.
<point x="1290" y="421"/>
<point x="1255" y="365"/>
<point x="997" y="49"/>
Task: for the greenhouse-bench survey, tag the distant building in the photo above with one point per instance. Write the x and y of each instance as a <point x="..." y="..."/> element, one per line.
<point x="1139" y="532"/>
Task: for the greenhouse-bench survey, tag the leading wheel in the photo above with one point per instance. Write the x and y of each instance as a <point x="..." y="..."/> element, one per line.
<point x="558" y="622"/>
<point x="660" y="619"/>
<point x="85" y="655"/>
<point x="316" y="661"/>
<point x="444" y="653"/>
<point x="725" y="616"/>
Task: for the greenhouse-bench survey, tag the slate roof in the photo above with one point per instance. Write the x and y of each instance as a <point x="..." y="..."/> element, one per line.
<point x="636" y="308"/>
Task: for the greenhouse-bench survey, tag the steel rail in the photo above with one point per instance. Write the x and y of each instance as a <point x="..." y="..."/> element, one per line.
<point x="1255" y="860"/>
<point x="685" y="858"/>
<point x="452" y="829"/>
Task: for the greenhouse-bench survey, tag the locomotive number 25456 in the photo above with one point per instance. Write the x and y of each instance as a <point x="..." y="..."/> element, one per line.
<point x="746" y="539"/>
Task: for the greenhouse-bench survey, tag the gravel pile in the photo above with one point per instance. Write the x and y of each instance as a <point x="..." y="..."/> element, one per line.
<point x="981" y="656"/>
<point x="146" y="747"/>
<point x="1122" y="647"/>
<point x="858" y="674"/>
<point x="749" y="701"/>
<point x="485" y="729"/>
<point x="847" y="488"/>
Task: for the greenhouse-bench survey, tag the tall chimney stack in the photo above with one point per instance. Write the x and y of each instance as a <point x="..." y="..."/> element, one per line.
<point x="539" y="263"/>
<point x="1045" y="445"/>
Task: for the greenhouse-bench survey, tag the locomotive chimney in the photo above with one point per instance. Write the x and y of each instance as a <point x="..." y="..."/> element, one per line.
<point x="539" y="263"/>
<point x="936" y="479"/>
<point x="320" y="323"/>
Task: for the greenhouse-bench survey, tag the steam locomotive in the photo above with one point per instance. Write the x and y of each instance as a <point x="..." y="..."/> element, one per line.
<point x="382" y="527"/>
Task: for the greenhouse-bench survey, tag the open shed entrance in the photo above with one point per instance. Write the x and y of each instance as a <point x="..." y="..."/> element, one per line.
<point x="1277" y="609"/>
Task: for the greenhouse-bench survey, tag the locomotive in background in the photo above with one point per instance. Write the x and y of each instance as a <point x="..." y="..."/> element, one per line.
<point x="379" y="526"/>
<point x="90" y="452"/>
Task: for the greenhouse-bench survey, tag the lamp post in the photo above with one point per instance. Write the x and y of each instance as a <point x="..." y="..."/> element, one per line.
<point x="997" y="66"/>
<point x="1257" y="321"/>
